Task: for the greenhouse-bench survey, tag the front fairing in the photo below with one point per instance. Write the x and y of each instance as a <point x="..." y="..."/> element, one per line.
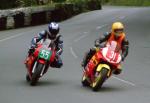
<point x="48" y="50"/>
<point x="113" y="58"/>
<point x="37" y="50"/>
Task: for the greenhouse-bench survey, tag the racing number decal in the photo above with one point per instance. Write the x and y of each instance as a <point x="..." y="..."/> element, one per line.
<point x="111" y="55"/>
<point x="45" y="54"/>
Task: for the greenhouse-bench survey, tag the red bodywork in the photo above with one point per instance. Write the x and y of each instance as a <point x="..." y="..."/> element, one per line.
<point x="98" y="58"/>
<point x="34" y="57"/>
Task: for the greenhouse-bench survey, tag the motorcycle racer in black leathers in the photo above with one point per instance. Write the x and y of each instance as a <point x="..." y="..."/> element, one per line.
<point x="52" y="34"/>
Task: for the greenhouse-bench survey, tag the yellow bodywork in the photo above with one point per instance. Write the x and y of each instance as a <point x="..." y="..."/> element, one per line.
<point x="100" y="66"/>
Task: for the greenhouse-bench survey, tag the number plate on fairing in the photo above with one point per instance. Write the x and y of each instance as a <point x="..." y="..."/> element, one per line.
<point x="111" y="56"/>
<point x="45" y="54"/>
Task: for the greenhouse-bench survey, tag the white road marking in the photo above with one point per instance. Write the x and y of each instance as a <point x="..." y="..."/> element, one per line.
<point x="14" y="36"/>
<point x="122" y="17"/>
<point x="73" y="53"/>
<point x="127" y="82"/>
<point x="85" y="32"/>
<point x="11" y="37"/>
<point x="76" y="40"/>
<point x="100" y="27"/>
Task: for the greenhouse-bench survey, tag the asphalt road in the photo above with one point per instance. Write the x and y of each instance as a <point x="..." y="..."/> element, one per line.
<point x="64" y="85"/>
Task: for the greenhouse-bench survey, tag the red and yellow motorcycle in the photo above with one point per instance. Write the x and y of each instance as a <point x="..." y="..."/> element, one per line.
<point x="101" y="66"/>
<point x="38" y="63"/>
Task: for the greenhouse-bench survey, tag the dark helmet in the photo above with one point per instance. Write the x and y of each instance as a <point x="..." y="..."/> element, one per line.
<point x="53" y="29"/>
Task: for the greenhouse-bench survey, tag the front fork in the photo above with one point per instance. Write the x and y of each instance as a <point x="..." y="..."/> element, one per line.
<point x="35" y="65"/>
<point x="90" y="75"/>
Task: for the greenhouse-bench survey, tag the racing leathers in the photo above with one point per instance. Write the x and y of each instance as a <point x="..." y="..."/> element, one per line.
<point x="58" y="43"/>
<point x="102" y="42"/>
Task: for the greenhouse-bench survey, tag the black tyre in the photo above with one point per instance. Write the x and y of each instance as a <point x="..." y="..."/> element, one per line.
<point x="27" y="78"/>
<point x="99" y="80"/>
<point x="84" y="81"/>
<point x="36" y="74"/>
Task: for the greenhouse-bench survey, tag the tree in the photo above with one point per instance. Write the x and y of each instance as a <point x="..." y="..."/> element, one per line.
<point x="5" y="4"/>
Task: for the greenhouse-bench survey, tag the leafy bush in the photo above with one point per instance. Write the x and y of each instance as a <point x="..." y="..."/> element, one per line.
<point x="29" y="2"/>
<point x="5" y="4"/>
<point x="127" y="2"/>
<point x="59" y="1"/>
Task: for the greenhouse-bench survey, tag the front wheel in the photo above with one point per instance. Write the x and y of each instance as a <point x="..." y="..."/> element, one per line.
<point x="36" y="74"/>
<point x="100" y="77"/>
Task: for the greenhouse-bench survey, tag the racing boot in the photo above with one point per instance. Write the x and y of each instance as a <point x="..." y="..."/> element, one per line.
<point x="57" y="63"/>
<point x="118" y="70"/>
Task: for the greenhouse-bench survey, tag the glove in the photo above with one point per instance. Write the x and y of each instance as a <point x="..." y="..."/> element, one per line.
<point x="33" y="45"/>
<point x="31" y="50"/>
<point x="97" y="44"/>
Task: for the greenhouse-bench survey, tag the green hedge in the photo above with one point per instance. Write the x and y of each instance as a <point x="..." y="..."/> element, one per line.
<point x="84" y="5"/>
<point x="5" y="4"/>
<point x="59" y="1"/>
<point x="44" y="14"/>
<point x="127" y="2"/>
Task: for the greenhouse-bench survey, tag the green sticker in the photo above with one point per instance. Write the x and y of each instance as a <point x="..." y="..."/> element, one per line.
<point x="45" y="54"/>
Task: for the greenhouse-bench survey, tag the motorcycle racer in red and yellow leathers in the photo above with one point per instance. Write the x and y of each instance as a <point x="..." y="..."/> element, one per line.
<point x="117" y="34"/>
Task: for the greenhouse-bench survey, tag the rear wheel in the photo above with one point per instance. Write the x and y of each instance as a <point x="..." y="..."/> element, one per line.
<point x="99" y="79"/>
<point x="36" y="74"/>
